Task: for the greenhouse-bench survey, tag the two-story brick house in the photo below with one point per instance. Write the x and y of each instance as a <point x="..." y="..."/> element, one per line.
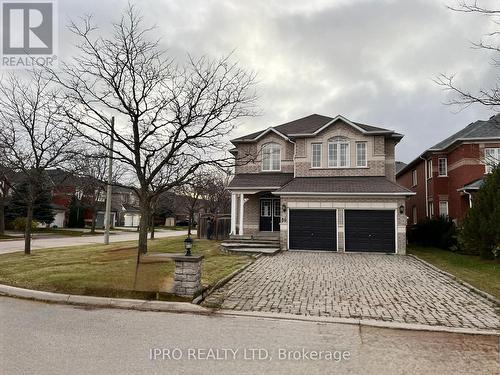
<point x="446" y="176"/>
<point x="320" y="183"/>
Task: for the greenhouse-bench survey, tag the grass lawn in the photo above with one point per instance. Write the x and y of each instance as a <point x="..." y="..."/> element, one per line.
<point x="481" y="273"/>
<point x="67" y="232"/>
<point x="108" y="271"/>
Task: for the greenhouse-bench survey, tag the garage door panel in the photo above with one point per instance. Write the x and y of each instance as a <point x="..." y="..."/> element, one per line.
<point x="313" y="230"/>
<point x="370" y="230"/>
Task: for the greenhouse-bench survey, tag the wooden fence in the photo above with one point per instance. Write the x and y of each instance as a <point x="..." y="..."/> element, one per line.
<point x="221" y="226"/>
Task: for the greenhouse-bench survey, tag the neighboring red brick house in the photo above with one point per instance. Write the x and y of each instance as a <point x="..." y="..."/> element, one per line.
<point x="446" y="175"/>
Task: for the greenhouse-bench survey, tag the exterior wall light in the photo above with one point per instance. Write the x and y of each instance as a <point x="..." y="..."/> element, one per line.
<point x="283" y="207"/>
<point x="401" y="209"/>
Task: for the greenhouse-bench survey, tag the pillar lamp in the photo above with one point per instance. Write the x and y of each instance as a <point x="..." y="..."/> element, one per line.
<point x="188" y="245"/>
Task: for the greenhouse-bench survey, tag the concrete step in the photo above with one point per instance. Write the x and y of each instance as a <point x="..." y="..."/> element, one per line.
<point x="249" y="244"/>
<point x="260" y="242"/>
<point x="253" y="250"/>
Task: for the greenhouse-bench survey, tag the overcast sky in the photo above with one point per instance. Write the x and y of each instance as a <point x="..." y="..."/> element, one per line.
<point x="372" y="61"/>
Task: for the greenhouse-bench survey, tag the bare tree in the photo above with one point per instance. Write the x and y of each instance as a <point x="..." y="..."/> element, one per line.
<point x="190" y="196"/>
<point x="171" y="119"/>
<point x="489" y="97"/>
<point x="215" y="194"/>
<point x="34" y="135"/>
<point x="5" y="181"/>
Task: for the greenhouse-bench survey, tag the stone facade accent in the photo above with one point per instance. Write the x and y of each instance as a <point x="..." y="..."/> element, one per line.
<point x="187" y="275"/>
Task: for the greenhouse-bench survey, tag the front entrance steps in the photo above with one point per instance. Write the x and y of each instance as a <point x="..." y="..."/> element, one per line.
<point x="258" y="244"/>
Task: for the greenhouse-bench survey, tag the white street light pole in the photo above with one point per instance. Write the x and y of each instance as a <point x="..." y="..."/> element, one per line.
<point x="107" y="216"/>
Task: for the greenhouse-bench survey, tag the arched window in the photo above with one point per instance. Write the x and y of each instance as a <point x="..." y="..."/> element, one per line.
<point x="271" y="157"/>
<point x="338" y="152"/>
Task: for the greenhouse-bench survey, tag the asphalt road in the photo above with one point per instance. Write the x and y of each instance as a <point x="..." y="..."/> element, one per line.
<point x="39" y="338"/>
<point x="11" y="246"/>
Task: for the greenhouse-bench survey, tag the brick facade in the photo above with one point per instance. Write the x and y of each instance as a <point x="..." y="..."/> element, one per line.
<point x="465" y="164"/>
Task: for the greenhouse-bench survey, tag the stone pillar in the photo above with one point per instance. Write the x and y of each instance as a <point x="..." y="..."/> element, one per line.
<point x="242" y="202"/>
<point x="233" y="213"/>
<point x="187" y="276"/>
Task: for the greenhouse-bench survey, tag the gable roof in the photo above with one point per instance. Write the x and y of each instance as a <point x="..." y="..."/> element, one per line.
<point x="476" y="130"/>
<point x="311" y="125"/>
<point x="479" y="130"/>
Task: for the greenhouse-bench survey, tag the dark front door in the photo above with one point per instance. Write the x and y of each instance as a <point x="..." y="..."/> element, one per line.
<point x="269" y="215"/>
<point x="370" y="231"/>
<point x="312" y="230"/>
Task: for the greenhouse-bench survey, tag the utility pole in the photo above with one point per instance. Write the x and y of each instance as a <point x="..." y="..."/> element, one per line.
<point x="107" y="216"/>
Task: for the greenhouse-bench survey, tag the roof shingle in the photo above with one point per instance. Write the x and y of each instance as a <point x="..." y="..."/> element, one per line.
<point x="260" y="180"/>
<point x="345" y="185"/>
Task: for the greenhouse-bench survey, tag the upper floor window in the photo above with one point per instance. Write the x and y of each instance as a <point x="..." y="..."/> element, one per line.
<point x="491" y="158"/>
<point x="429" y="168"/>
<point x="338" y="152"/>
<point x="361" y="154"/>
<point x="443" y="167"/>
<point x="316" y="155"/>
<point x="271" y="157"/>
<point x="443" y="208"/>
<point x="414" y="178"/>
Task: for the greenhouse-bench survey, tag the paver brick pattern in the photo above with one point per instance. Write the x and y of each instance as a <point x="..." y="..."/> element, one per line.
<point x="368" y="286"/>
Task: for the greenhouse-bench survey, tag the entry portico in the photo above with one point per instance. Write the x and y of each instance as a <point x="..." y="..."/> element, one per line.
<point x="254" y="208"/>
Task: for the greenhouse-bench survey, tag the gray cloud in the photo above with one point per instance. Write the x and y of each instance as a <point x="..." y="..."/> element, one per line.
<point x="372" y="61"/>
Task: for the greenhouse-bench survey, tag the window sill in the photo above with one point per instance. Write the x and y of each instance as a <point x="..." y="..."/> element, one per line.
<point x="444" y="175"/>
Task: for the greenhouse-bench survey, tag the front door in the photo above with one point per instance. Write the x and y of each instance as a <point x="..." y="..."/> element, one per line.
<point x="269" y="215"/>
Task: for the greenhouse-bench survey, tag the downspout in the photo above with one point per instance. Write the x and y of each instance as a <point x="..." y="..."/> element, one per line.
<point x="470" y="198"/>
<point x="426" y="188"/>
<point x="294" y="155"/>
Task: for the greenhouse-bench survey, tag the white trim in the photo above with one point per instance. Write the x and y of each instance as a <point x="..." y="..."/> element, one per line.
<point x="343" y="194"/>
<point x="242" y="204"/>
<point x="396" y="231"/>
<point x="233" y="214"/>
<point x="447" y="208"/>
<point x="267" y="131"/>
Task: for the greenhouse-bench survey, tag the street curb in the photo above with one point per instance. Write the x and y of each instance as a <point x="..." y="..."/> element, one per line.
<point x="460" y="281"/>
<point x="359" y="322"/>
<point x="186" y="308"/>
<point x="129" y="304"/>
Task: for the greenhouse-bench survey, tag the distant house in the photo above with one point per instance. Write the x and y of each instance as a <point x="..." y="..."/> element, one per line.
<point x="446" y="176"/>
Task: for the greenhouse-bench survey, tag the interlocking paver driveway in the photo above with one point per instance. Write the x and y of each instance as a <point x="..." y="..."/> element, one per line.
<point x="369" y="286"/>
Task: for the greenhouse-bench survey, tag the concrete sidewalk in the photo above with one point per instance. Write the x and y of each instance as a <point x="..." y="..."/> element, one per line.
<point x="12" y="246"/>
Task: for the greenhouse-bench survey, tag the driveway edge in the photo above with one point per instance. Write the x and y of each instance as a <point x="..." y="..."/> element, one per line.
<point x="359" y="322"/>
<point x="186" y="307"/>
<point x="458" y="280"/>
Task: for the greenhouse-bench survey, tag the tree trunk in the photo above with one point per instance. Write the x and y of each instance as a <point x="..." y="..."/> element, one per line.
<point x="94" y="218"/>
<point x="2" y="216"/>
<point x="27" y="232"/>
<point x="152" y="226"/>
<point x="144" y="226"/>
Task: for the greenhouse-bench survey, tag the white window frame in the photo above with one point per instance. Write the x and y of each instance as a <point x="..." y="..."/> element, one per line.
<point x="495" y="155"/>
<point x="414" y="214"/>
<point x="429" y="169"/>
<point x="445" y="203"/>
<point x="269" y="154"/>
<point x="430" y="207"/>
<point x="334" y="147"/>
<point x="313" y="145"/>
<point x="414" y="177"/>
<point x="365" y="164"/>
<point x="445" y="167"/>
